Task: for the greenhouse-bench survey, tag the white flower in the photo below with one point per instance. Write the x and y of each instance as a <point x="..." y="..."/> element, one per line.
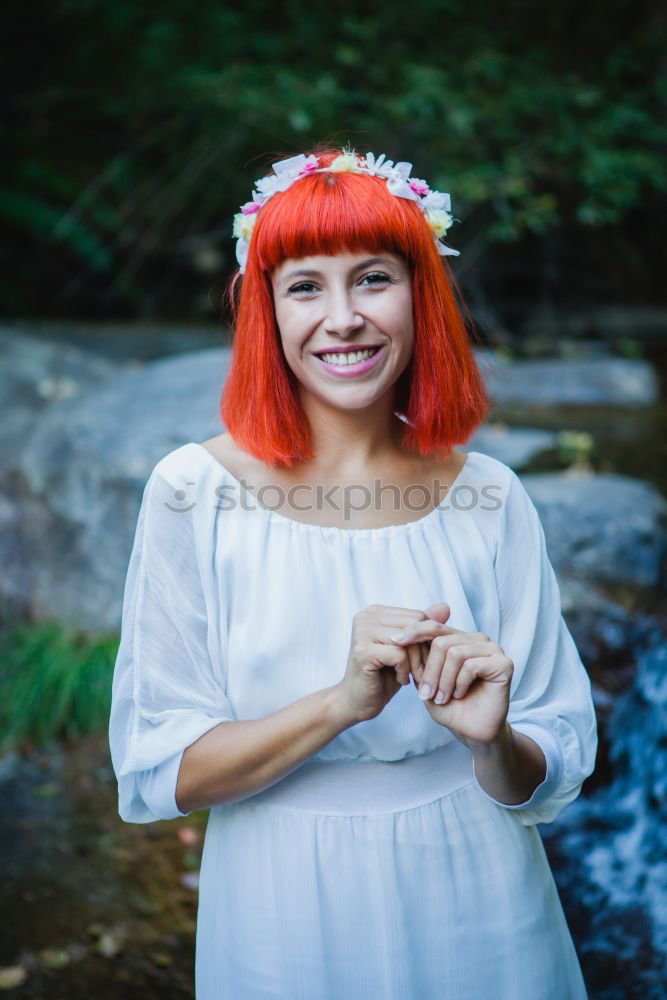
<point x="267" y="186"/>
<point x="243" y="226"/>
<point x="399" y="187"/>
<point x="380" y="167"/>
<point x="293" y="164"/>
<point x="345" y="162"/>
<point x="439" y="221"/>
<point x="403" y="169"/>
<point x="437" y="199"/>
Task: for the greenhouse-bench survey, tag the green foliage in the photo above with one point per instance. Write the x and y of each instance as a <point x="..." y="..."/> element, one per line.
<point x="629" y="348"/>
<point x="54" y="683"/>
<point x="146" y="125"/>
<point x="575" y="447"/>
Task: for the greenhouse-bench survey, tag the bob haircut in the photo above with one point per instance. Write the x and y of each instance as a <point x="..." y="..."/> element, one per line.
<point x="440" y="395"/>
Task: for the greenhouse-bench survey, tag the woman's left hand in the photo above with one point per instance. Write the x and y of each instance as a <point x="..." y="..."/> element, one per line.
<point x="472" y="673"/>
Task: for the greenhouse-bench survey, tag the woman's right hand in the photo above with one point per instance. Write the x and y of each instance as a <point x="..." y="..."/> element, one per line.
<point x="377" y="667"/>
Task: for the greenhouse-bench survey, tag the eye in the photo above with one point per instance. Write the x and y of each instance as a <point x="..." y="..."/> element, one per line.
<point x="303" y="286"/>
<point x="379" y="276"/>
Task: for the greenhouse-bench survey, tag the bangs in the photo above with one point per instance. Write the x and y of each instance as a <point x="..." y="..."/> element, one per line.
<point x="337" y="212"/>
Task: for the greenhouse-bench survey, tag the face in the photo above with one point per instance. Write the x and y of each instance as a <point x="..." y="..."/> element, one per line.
<point x="329" y="308"/>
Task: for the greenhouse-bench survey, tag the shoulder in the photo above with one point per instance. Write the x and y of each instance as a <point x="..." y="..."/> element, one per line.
<point x="178" y="482"/>
<point x="223" y="449"/>
<point x="479" y="463"/>
<point x="180" y="504"/>
<point x="501" y="497"/>
<point x="219" y="444"/>
<point x="488" y="479"/>
<point x="183" y="465"/>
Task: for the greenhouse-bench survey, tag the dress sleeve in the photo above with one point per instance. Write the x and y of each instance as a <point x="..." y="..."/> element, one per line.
<point x="550" y="695"/>
<point x="167" y="688"/>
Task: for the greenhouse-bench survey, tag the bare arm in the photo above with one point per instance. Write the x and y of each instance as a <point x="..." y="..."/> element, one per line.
<point x="237" y="759"/>
<point x="511" y="767"/>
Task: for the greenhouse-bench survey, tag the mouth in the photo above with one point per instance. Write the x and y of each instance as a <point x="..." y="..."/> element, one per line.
<point x="350" y="361"/>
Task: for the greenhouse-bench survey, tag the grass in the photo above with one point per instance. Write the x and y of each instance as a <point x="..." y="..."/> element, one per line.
<point x="55" y="683"/>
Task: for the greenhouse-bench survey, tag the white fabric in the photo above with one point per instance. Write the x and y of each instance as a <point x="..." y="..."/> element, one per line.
<point x="380" y="867"/>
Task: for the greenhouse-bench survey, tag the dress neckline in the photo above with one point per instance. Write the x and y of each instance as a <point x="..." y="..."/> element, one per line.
<point x="333" y="529"/>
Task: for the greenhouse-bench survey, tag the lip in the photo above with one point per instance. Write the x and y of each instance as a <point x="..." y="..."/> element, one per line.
<point x="346" y="350"/>
<point x="349" y="371"/>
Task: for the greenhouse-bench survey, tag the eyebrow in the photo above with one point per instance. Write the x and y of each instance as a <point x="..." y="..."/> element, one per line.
<point x="304" y="273"/>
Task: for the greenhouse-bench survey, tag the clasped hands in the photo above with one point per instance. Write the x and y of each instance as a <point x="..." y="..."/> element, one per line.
<point x="463" y="677"/>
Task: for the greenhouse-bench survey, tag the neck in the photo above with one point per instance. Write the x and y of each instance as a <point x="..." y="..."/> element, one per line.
<point x="347" y="442"/>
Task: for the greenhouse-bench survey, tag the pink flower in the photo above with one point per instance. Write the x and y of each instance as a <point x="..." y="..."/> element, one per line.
<point x="308" y="169"/>
<point x="419" y="187"/>
<point x="250" y="207"/>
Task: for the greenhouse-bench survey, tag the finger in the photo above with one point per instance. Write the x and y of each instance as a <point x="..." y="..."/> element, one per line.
<point x="381" y="655"/>
<point x="403" y="665"/>
<point x="384" y="626"/>
<point x="444" y="662"/>
<point x="387" y="614"/>
<point x="428" y="628"/>
<point x="430" y="673"/>
<point x="454" y="662"/>
<point x="414" y="652"/>
<point x="470" y="669"/>
<point x="438" y="612"/>
<point x="418" y="669"/>
<point x="386" y="633"/>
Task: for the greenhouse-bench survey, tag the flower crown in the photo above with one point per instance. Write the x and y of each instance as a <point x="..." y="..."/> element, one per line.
<point x="434" y="204"/>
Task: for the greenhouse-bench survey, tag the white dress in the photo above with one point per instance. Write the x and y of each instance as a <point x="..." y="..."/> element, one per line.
<point x="379" y="869"/>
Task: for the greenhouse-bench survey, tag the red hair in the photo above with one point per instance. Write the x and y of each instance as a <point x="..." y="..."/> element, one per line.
<point x="441" y="392"/>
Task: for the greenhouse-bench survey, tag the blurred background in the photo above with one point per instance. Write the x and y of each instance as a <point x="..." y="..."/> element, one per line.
<point x="132" y="132"/>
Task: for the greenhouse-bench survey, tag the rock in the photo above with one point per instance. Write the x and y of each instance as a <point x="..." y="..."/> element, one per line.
<point x="602" y="527"/>
<point x="70" y="506"/>
<point x="33" y="374"/>
<point x="121" y="342"/>
<point x="602" y="627"/>
<point x="515" y="446"/>
<point x="553" y="382"/>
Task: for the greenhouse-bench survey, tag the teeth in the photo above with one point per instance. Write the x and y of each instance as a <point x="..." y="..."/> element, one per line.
<point x="352" y="358"/>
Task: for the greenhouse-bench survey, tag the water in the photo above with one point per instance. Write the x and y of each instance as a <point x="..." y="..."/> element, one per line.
<point x="608" y="848"/>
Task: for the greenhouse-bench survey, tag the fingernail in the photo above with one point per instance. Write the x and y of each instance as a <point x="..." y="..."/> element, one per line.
<point x="399" y="636"/>
<point x="439" y="698"/>
<point x="425" y="692"/>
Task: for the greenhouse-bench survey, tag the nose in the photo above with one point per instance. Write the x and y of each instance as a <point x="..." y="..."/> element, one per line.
<point x="341" y="313"/>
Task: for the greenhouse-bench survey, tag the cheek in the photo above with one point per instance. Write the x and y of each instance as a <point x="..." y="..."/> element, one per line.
<point x="397" y="317"/>
<point x="292" y="329"/>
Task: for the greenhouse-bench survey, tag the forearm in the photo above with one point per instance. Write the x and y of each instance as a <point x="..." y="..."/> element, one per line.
<point x="237" y="759"/>
<point x="509" y="768"/>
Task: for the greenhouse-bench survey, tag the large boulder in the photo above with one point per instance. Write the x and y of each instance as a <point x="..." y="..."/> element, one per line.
<point x="553" y="382"/>
<point x="71" y="498"/>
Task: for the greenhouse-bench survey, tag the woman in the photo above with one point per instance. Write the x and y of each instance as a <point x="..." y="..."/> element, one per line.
<point x="367" y="837"/>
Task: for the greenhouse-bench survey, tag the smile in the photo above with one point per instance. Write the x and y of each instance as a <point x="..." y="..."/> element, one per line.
<point x="352" y="362"/>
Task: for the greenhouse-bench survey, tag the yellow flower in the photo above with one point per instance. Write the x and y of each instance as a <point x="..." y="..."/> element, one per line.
<point x="243" y="226"/>
<point x="346" y="161"/>
<point x="439" y="220"/>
